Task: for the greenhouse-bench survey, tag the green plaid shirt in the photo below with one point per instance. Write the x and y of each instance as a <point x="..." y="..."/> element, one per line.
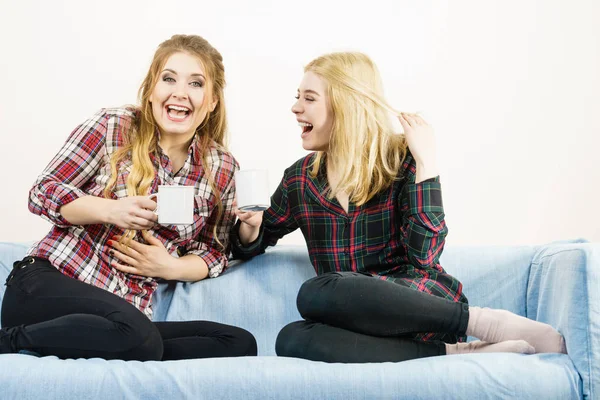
<point x="398" y="235"/>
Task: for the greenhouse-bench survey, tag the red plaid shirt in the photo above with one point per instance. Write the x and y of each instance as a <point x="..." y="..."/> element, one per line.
<point x="82" y="167"/>
<point x="398" y="235"/>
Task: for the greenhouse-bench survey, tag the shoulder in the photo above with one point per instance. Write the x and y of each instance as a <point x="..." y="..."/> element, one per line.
<point x="110" y="121"/>
<point x="120" y="116"/>
<point x="224" y="158"/>
<point x="408" y="167"/>
<point x="222" y="163"/>
<point x="300" y="167"/>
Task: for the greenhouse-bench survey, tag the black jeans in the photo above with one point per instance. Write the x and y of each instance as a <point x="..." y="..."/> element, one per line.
<point x="355" y="318"/>
<point x="51" y="314"/>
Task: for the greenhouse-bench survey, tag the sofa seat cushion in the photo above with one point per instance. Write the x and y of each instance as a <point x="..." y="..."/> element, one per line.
<point x="481" y="376"/>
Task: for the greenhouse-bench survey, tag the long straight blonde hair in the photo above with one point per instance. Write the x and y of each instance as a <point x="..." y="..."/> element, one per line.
<point x="141" y="139"/>
<point x="364" y="151"/>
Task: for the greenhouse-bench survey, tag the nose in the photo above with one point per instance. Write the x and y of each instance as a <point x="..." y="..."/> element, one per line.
<point x="180" y="91"/>
<point x="296" y="108"/>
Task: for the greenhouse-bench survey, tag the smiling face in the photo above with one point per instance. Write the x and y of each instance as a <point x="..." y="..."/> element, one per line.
<point x="313" y="112"/>
<point x="180" y="98"/>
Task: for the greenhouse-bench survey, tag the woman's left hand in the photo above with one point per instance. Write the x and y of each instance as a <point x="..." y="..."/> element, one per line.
<point x="420" y="138"/>
<point x="150" y="259"/>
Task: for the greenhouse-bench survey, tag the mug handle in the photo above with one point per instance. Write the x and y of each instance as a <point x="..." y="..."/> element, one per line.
<point x="155" y="211"/>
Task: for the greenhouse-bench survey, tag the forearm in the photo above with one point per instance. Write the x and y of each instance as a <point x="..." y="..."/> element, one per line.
<point x="87" y="210"/>
<point x="189" y="268"/>
<point x="426" y="171"/>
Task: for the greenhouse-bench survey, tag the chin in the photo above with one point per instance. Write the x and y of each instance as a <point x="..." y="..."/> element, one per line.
<point x="307" y="146"/>
<point x="177" y="130"/>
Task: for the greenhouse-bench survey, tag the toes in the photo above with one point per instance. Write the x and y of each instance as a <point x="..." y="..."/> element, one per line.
<point x="524" y="347"/>
<point x="563" y="345"/>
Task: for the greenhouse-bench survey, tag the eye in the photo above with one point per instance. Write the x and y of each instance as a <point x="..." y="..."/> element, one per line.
<point x="197" y="84"/>
<point x="297" y="97"/>
<point x="309" y="99"/>
<point x="168" y="79"/>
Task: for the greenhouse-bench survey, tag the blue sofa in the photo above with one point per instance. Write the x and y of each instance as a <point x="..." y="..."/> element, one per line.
<point x="558" y="284"/>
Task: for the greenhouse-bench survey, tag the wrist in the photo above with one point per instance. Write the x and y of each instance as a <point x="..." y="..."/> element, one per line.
<point x="248" y="233"/>
<point x="426" y="171"/>
<point x="106" y="214"/>
<point x="168" y="271"/>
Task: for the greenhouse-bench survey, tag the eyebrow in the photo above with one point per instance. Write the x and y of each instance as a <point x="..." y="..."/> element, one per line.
<point x="310" y="91"/>
<point x="173" y="72"/>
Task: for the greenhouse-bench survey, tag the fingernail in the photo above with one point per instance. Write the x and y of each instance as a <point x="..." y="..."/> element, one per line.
<point x="112" y="253"/>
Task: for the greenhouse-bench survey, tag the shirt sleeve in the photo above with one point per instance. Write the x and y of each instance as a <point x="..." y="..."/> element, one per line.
<point x="423" y="226"/>
<point x="214" y="249"/>
<point x="278" y="221"/>
<point x="71" y="168"/>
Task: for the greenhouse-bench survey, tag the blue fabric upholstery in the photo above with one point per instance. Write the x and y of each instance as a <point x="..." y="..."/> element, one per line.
<point x="557" y="284"/>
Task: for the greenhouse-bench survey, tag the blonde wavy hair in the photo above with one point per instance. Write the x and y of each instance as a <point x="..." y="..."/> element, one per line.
<point x="365" y="152"/>
<point x="141" y="140"/>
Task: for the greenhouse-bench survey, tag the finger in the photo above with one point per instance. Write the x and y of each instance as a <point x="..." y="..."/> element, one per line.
<point x="136" y="248"/>
<point x="128" y="249"/>
<point x="130" y="245"/>
<point x="123" y="258"/>
<point x="125" y="268"/>
<point x="419" y="119"/>
<point x="147" y="203"/>
<point x="247" y="216"/>
<point x="243" y="215"/>
<point x="403" y="122"/>
<point x="150" y="239"/>
<point x="408" y="120"/>
<point x="142" y="222"/>
<point x="146" y="214"/>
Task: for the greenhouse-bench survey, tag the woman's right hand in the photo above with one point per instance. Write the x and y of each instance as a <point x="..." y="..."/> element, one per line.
<point x="251" y="218"/>
<point x="134" y="212"/>
<point x="250" y="226"/>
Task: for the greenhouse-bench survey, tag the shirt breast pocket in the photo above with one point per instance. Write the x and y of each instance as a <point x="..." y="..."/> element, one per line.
<point x="202" y="210"/>
<point x="377" y="229"/>
<point x="202" y="207"/>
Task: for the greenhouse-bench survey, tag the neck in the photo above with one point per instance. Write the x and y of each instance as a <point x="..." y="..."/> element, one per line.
<point x="175" y="144"/>
<point x="332" y="172"/>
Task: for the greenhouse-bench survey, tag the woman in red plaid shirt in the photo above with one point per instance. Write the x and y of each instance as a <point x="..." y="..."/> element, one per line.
<point x="85" y="289"/>
<point x="369" y="205"/>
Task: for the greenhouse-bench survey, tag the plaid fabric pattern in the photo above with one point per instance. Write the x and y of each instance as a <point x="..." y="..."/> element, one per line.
<point x="398" y="235"/>
<point x="82" y="167"/>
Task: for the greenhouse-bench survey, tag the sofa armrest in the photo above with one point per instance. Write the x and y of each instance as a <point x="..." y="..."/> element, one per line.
<point x="564" y="291"/>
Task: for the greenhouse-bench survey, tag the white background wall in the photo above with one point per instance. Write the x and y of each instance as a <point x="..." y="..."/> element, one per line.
<point x="512" y="88"/>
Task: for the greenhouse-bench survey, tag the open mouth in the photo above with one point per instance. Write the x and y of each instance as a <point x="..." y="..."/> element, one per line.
<point x="306" y="127"/>
<point x="177" y="113"/>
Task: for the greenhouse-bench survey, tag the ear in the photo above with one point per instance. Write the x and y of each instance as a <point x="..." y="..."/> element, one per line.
<point x="212" y="105"/>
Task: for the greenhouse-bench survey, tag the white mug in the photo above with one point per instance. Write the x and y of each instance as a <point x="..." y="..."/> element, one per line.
<point x="252" y="189"/>
<point x="175" y="205"/>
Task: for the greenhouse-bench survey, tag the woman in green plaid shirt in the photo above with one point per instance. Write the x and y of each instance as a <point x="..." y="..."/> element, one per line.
<point x="369" y="205"/>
